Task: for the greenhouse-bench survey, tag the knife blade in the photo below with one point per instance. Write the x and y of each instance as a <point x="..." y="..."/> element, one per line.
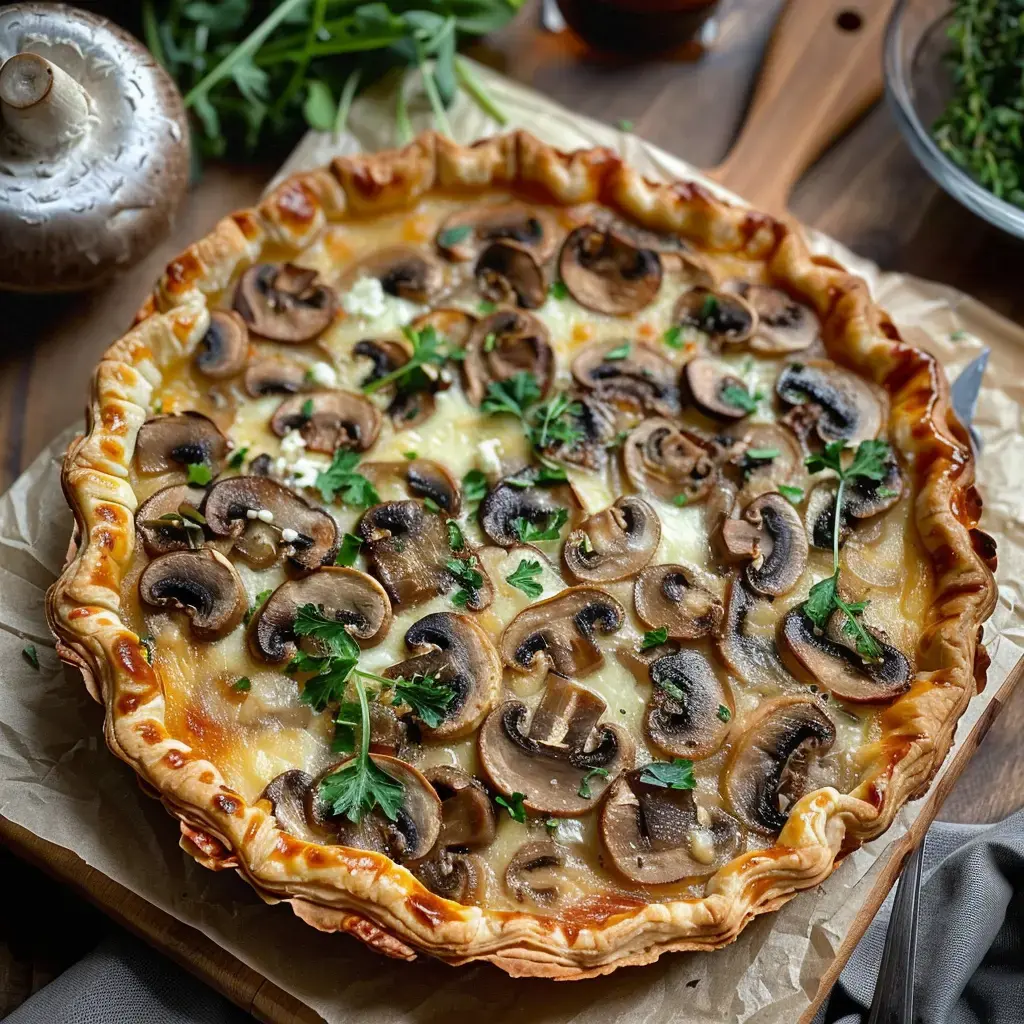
<point x="964" y="394"/>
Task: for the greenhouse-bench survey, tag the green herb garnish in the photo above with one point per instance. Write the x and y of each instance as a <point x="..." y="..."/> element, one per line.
<point x="675" y="775"/>
<point x="595" y="773"/>
<point x="349" y="550"/>
<point x="430" y="505"/>
<point x="673" y="337"/>
<point x="548" y="529"/>
<point x="724" y="714"/>
<point x="618" y="353"/>
<point x="261" y="599"/>
<point x="238" y="458"/>
<point x="558" y="290"/>
<point x="474" y="485"/>
<point x="29" y="653"/>
<point x="741" y="398"/>
<point x="340" y="480"/>
<point x="523" y="578"/>
<point x="793" y="494"/>
<point x="654" y="638"/>
<point x="452" y="236"/>
<point x="456" y="540"/>
<point x="514" y="806"/>
<point x="198" y="473"/>
<point x="242" y="685"/>
<point x="428" y="349"/>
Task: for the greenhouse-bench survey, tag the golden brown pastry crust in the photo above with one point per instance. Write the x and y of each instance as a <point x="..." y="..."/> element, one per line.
<point x="366" y="894"/>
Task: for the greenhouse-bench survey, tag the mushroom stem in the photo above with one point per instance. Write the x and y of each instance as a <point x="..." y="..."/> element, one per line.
<point x="42" y="104"/>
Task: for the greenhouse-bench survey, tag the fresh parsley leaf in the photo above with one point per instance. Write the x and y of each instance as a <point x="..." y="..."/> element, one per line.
<point x="474" y="485"/>
<point x="708" y="308"/>
<point x="410" y="455"/>
<point x="552" y="422"/>
<point x="486" y="307"/>
<point x="673" y="337"/>
<point x="558" y="290"/>
<point x="242" y="685"/>
<point x="428" y="697"/>
<point x="463" y="570"/>
<point x="452" y="236"/>
<point x="618" y="353"/>
<point x="489" y="342"/>
<point x="584" y="791"/>
<point x="431" y="505"/>
<point x="869" y="460"/>
<point x="866" y="644"/>
<point x="741" y="398"/>
<point x="821" y="600"/>
<point x="28" y="652"/>
<point x="551" y="824"/>
<point x="654" y="638"/>
<point x="887" y="492"/>
<point x="793" y="494"/>
<point x="762" y="454"/>
<point x="306" y="410"/>
<point x="514" y="395"/>
<point x="456" y="541"/>
<point x="312" y="622"/>
<point x="675" y="775"/>
<point x="514" y="806"/>
<point x="724" y="714"/>
<point x="340" y="480"/>
<point x="523" y="578"/>
<point x="346" y="727"/>
<point x="349" y="550"/>
<point x="680" y="500"/>
<point x="261" y="599"/>
<point x="329" y="684"/>
<point x="198" y="473"/>
<point x="549" y="529"/>
<point x="238" y="458"/>
<point x="427" y="350"/>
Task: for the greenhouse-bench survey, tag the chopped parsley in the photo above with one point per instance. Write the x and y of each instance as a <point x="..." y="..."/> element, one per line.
<point x="340" y="480"/>
<point x="242" y="685"/>
<point x="547" y="423"/>
<point x="29" y="653"/>
<point x="471" y="580"/>
<point x="558" y="290"/>
<point x="198" y="473"/>
<point x="762" y="454"/>
<point x="238" y="458"/>
<point x="673" y="337"/>
<point x="474" y="485"/>
<point x="514" y="806"/>
<point x="654" y="638"/>
<point x="306" y="411"/>
<point x="618" y="353"/>
<point x="549" y="529"/>
<point x="625" y="125"/>
<point x="427" y="350"/>
<point x="410" y="455"/>
<point x="585" y="791"/>
<point x="677" y="774"/>
<point x="793" y="494"/>
<point x="452" y="236"/>
<point x="489" y="342"/>
<point x="741" y="398"/>
<point x="486" y="307"/>
<point x="431" y="505"/>
<point x="724" y="714"/>
<point x="349" y="550"/>
<point x="148" y="645"/>
<point x="680" y="500"/>
<point x="261" y="599"/>
<point x="523" y="578"/>
<point x="456" y="541"/>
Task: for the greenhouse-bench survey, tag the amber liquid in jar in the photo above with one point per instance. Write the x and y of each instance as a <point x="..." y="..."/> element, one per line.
<point x="636" y="26"/>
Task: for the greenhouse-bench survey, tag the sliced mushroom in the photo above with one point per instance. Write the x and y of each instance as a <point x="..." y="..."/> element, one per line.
<point x="595" y="424"/>
<point x="283" y="302"/>
<point x="534" y="873"/>
<point x="203" y="584"/>
<point x="507" y="272"/>
<point x="456" y="652"/>
<point x="684" y="716"/>
<point x="662" y="458"/>
<point x="503" y="344"/>
<point x="713" y="390"/>
<point x="848" y="408"/>
<point x="409" y="552"/>
<point x="560" y="631"/>
<point x="178" y="440"/>
<point x="274" y="375"/>
<point x="453" y="325"/>
<point x="637" y="377"/>
<point x="564" y="753"/>
<point x="224" y="349"/>
<point x="830" y="659"/>
<point x="453" y="875"/>
<point x="747" y="644"/>
<point x="386" y="356"/>
<point x="514" y="498"/>
<point x="670" y="597"/>
<point x="287" y="795"/>
<point x="344" y="595"/>
<point x="754" y="772"/>
<point x="328" y="420"/>
<point x="161" y="525"/>
<point x="260" y="543"/>
<point x="725" y="318"/>
<point x="783" y="324"/>
<point x="862" y="500"/>
<point x="468" y="821"/>
<point x="654" y="834"/>
<point x="614" y="543"/>
<point x="407" y="408"/>
<point x="608" y="274"/>
<point x="422" y="478"/>
<point x="466" y="232"/>
<point x="767" y="456"/>
<point x="772" y="536"/>
<point x="387" y="730"/>
<point x="403" y="271"/>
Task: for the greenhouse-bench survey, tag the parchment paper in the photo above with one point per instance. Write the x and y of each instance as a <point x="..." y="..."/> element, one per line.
<point x="58" y="780"/>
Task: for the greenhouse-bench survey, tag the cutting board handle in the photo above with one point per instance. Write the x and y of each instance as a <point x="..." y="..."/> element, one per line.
<point x="822" y="70"/>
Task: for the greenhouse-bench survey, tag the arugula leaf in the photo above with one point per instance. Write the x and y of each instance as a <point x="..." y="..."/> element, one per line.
<point x="514" y="806"/>
<point x="523" y="578"/>
<point x="675" y="775"/>
<point x="585" y="791"/>
<point x="198" y="473"/>
<point x="741" y="398"/>
<point x="349" y="550"/>
<point x="340" y="480"/>
<point x="549" y="529"/>
<point x="474" y="485"/>
<point x="654" y="638"/>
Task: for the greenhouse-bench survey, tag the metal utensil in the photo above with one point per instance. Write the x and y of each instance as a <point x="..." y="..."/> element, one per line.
<point x="964" y="393"/>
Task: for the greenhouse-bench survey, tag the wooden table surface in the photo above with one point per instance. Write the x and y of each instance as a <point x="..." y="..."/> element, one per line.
<point x="867" y="191"/>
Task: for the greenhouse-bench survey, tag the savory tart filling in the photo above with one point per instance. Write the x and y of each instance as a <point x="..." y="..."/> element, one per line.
<point x="541" y="554"/>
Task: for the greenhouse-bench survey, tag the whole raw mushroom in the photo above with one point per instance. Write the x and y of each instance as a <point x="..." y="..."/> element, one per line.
<point x="94" y="153"/>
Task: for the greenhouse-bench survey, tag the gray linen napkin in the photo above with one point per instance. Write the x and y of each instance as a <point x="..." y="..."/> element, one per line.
<point x="970" y="953"/>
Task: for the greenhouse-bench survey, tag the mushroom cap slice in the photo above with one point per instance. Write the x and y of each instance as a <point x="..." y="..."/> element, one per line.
<point x="453" y="325"/>
<point x="507" y="342"/>
<point x="662" y="458"/>
<point x="226" y="507"/>
<point x="709" y="387"/>
<point x="328" y="420"/>
<point x="386" y="356"/>
<point x="409" y="551"/>
<point x="179" y="439"/>
<point x="457" y="652"/>
<point x="759" y="757"/>
<point x="682" y="717"/>
<point x="670" y="596"/>
<point x="863" y="499"/>
<point x="403" y="271"/>
<point x="726" y="319"/>
<point x="460" y="877"/>
<point x="287" y="795"/>
<point x="560" y="631"/>
<point x="507" y="272"/>
<point x="162" y="527"/>
<point x="422" y="478"/>
<point x="743" y="645"/>
<point x="535" y="871"/>
<point x="224" y="349"/>
<point x="465" y="233"/>
<point x="766" y="474"/>
<point x="507" y="502"/>
<point x="274" y="375"/>
<point x="777" y="544"/>
<point x="283" y="302"/>
<point x="345" y="595"/>
<point x="783" y="324"/>
<point x="654" y="835"/>
<point x="830" y="660"/>
<point x="606" y="273"/>
<point x="563" y="746"/>
<point x="468" y="820"/>
<point x="614" y="543"/>
<point x="203" y="584"/>
<point x="407" y="408"/>
<point x="641" y="380"/>
<point x="847" y="407"/>
<point x="595" y="423"/>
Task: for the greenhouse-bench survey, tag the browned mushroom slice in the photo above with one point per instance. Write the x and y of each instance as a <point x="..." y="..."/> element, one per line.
<point x="561" y="631"/>
<point x="515" y="498"/>
<point x="452" y="325"/>
<point x="536" y="872"/>
<point x="283" y="302"/>
<point x="745" y="646"/>
<point x="386" y="356"/>
<point x="656" y="834"/>
<point x="410" y="553"/>
<point x="862" y="500"/>
<point x="403" y="271"/>
<point x="629" y="374"/>
<point x="421" y="478"/>
<point x="161" y="524"/>
<point x="608" y="274"/>
<point x="224" y="349"/>
<point x="758" y="761"/>
<point x="178" y="440"/>
<point x="203" y="584"/>
<point x="725" y="318"/>
<point x="848" y="408"/>
<point x="344" y="595"/>
<point x="287" y="794"/>
<point x="387" y="730"/>
<point x="614" y="543"/>
<point x="661" y="458"/>
<point x="454" y="875"/>
<point x="684" y="717"/>
<point x="328" y="420"/>
<point x="274" y="375"/>
<point x="454" y="651"/>
<point x="260" y="542"/>
<point x="670" y="597"/>
<point x="407" y="408"/>
<point x="772" y="536"/>
<point x="768" y="455"/>
<point x="714" y="391"/>
<point x="565" y="759"/>
<point x="506" y="272"/>
<point x="783" y="324"/>
<point x="466" y="232"/>
<point x="503" y="344"/>
<point x="830" y="659"/>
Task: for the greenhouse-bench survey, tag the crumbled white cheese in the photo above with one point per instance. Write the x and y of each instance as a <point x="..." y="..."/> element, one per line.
<point x="292" y="443"/>
<point x="323" y="374"/>
<point x="490" y="454"/>
<point x="304" y="472"/>
<point x="368" y="300"/>
<point x="288" y="535"/>
<point x="265" y="515"/>
<point x="251" y="513"/>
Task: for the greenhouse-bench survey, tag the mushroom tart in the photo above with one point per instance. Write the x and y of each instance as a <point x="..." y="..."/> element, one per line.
<point x="495" y="555"/>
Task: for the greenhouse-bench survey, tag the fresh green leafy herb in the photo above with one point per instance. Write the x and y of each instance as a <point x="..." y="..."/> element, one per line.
<point x="551" y="422"/>
<point x="486" y="307"/>
<point x="625" y="125"/>
<point x="261" y="599"/>
<point x="347" y="720"/>
<point x="675" y="775"/>
<point x="238" y="458"/>
<point x="513" y="396"/>
<point x="452" y="236"/>
<point x="673" y="337"/>
<point x="762" y="454"/>
<point x="198" y="473"/>
<point x="618" y="353"/>
<point x="242" y="685"/>
<point x="708" y="309"/>
<point x="549" y="529"/>
<point x="887" y="492"/>
<point x="456" y="541"/>
<point x="724" y="714"/>
<point x="514" y="806"/>
<point x="340" y="480"/>
<point x="474" y="485"/>
<point x="680" y="500"/>
<point x="558" y="290"/>
<point x="654" y="638"/>
<point x="428" y="697"/>
<point x="429" y="349"/>
<point x="523" y="578"/>
<point x="410" y="455"/>
<point x="349" y="550"/>
<point x="595" y="773"/>
<point x="490" y="341"/>
<point x="430" y="505"/>
<point x="28" y="652"/>
<point x="306" y="411"/>
<point x="790" y="493"/>
<point x="463" y="569"/>
<point x="551" y="824"/>
<point x="741" y="398"/>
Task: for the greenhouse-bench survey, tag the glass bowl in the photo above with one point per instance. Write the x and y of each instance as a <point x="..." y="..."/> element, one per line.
<point x="918" y="84"/>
